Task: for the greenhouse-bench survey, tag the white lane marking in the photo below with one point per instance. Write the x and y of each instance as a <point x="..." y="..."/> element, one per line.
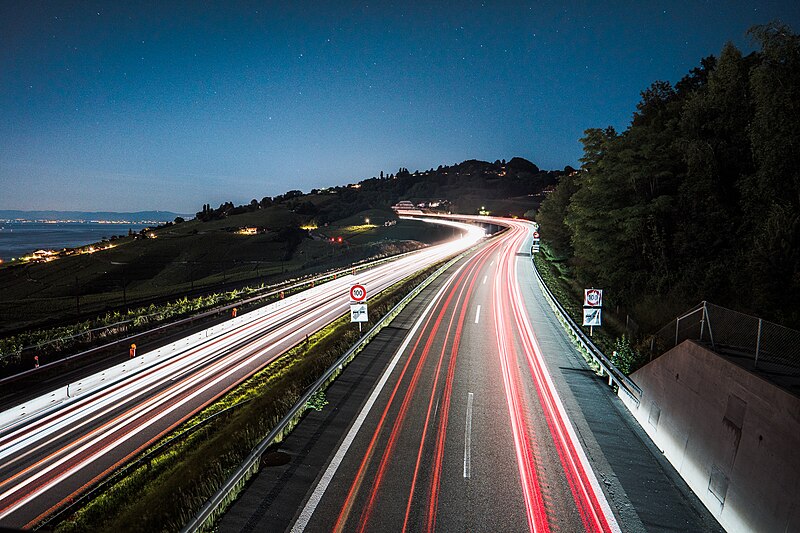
<point x="573" y="436"/>
<point x="484" y="280"/>
<point x="468" y="439"/>
<point x="492" y="263"/>
<point x="478" y="314"/>
<point x="325" y="480"/>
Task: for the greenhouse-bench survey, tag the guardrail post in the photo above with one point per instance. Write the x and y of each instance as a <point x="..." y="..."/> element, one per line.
<point x="758" y="343"/>
<point x="710" y="331"/>
<point x="702" y="324"/>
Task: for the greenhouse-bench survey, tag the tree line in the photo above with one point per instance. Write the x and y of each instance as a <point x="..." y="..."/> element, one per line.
<point x="699" y="198"/>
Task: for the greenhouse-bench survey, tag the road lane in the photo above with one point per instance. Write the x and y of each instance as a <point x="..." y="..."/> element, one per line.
<point x="483" y="428"/>
<point x="49" y="455"/>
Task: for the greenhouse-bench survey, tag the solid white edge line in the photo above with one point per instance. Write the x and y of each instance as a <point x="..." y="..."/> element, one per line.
<point x="311" y="505"/>
<point x="478" y="314"/>
<point x="468" y="439"/>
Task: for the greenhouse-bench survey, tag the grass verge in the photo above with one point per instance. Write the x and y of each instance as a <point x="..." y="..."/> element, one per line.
<point x="610" y="338"/>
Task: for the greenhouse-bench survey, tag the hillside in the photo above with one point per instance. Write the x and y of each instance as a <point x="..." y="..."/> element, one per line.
<point x="511" y="189"/>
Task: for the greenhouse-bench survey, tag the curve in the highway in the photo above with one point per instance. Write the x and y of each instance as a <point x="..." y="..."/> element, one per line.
<point x="50" y="454"/>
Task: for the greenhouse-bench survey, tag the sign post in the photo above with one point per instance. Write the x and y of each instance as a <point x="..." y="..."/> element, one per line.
<point x="592" y="308"/>
<point x="358" y="304"/>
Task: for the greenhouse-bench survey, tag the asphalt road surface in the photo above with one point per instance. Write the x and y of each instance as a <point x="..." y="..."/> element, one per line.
<point x="471" y="413"/>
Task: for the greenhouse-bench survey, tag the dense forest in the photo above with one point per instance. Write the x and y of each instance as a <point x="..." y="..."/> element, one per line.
<point x="699" y="198"/>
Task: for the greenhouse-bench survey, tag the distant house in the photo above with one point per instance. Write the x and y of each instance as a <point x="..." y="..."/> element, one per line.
<point x="404" y="205"/>
<point x="251" y="230"/>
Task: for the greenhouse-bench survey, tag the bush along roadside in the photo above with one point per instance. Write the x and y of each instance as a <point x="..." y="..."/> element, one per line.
<point x="607" y="338"/>
<point x="50" y="343"/>
<point x="167" y="489"/>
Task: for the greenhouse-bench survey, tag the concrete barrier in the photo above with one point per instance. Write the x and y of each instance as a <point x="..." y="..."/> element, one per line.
<point x="733" y="436"/>
<point x="99" y="379"/>
<point x="32" y="407"/>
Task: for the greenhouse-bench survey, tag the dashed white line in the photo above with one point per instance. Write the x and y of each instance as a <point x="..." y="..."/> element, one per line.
<point x="484" y="279"/>
<point x="468" y="439"/>
<point x="478" y="314"/>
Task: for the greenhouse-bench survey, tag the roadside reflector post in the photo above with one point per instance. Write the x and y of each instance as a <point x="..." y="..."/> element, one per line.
<point x="36" y="361"/>
<point x="233" y="312"/>
<point x="132" y="351"/>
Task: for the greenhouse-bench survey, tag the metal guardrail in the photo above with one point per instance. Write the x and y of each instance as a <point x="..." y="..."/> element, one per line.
<point x="233" y="485"/>
<point x="760" y="344"/>
<point x="615" y="376"/>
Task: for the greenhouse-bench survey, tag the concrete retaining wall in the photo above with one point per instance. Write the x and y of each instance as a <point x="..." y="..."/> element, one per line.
<point x="734" y="437"/>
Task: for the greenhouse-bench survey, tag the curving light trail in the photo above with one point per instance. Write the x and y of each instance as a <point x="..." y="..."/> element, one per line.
<point x="522" y="369"/>
<point x="589" y="499"/>
<point x="51" y="449"/>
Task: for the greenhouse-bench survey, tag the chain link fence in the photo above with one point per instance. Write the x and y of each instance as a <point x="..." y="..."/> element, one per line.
<point x="756" y="343"/>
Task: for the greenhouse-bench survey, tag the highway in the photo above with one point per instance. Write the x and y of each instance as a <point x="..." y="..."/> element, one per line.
<point x="463" y="430"/>
<point x="54" y="446"/>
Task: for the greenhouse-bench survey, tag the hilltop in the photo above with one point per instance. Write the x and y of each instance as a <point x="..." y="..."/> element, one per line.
<point x="511" y="188"/>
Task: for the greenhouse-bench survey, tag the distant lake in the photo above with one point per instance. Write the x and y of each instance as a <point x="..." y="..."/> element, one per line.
<point x="20" y="238"/>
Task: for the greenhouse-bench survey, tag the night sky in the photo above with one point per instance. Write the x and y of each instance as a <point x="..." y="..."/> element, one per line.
<point x="170" y="106"/>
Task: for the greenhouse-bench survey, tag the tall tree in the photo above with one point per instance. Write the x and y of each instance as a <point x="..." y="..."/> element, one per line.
<point x="717" y="153"/>
<point x="552" y="213"/>
<point x="773" y="194"/>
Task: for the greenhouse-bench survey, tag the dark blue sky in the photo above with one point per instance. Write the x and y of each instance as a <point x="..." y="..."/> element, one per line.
<point x="172" y="105"/>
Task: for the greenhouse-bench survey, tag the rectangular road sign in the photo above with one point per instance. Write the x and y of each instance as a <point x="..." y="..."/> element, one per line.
<point x="358" y="313"/>
<point x="592" y="317"/>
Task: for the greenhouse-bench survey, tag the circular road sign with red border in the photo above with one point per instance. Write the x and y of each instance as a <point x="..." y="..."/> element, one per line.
<point x="358" y="293"/>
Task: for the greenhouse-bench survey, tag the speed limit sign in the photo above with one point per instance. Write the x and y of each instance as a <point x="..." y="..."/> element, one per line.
<point x="358" y="293"/>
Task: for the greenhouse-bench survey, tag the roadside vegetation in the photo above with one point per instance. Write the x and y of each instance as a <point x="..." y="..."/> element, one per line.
<point x="49" y="344"/>
<point x="698" y="199"/>
<point x="162" y="492"/>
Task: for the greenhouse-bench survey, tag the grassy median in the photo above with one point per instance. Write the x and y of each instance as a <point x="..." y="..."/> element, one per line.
<point x="165" y="491"/>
